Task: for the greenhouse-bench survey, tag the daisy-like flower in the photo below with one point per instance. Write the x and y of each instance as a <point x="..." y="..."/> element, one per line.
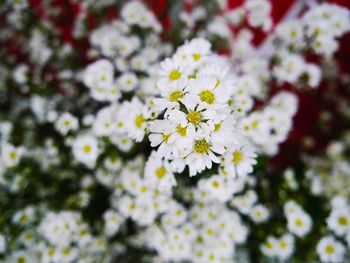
<point x="201" y="155"/>
<point x="171" y="70"/>
<point x="269" y="247"/>
<point x="103" y="123"/>
<point x="158" y="173"/>
<point x="127" y="82"/>
<point x="285" y="246"/>
<point x="194" y="52"/>
<point x="98" y="73"/>
<point x="11" y="155"/>
<point x="135" y="114"/>
<point x="171" y="95"/>
<point x="339" y="221"/>
<point x="299" y="223"/>
<point x="239" y="160"/>
<point x="85" y="150"/>
<point x="209" y="91"/>
<point x="66" y="122"/>
<point x="259" y="213"/>
<point x="163" y="136"/>
<point x="330" y="250"/>
<point x="113" y="221"/>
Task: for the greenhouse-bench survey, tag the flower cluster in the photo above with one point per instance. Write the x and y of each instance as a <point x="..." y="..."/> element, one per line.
<point x="198" y="127"/>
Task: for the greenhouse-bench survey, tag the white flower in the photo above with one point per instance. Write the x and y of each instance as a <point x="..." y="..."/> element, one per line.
<point x="299" y="223"/>
<point x="209" y="91"/>
<point x="269" y="247"/>
<point x="98" y="73"/>
<point x="246" y="202"/>
<point x="98" y="76"/>
<point x="85" y="149"/>
<point x="259" y="13"/>
<point x="330" y="250"/>
<point x="201" y="155"/>
<point x="291" y="32"/>
<point x="339" y="221"/>
<point x="136" y="13"/>
<point x="285" y="246"/>
<point x="325" y="45"/>
<point x="103" y="124"/>
<point x="239" y="160"/>
<point x="218" y="187"/>
<point x="20" y="75"/>
<point x="171" y="95"/>
<point x="193" y="52"/>
<point x="158" y="173"/>
<point x="313" y="75"/>
<point x="124" y="143"/>
<point x="127" y="82"/>
<point x="259" y="213"/>
<point x="290" y="68"/>
<point x="171" y="70"/>
<point x="135" y="115"/>
<point x="113" y="221"/>
<point x="66" y="122"/>
<point x="113" y="163"/>
<point x="11" y="155"/>
<point x="60" y="229"/>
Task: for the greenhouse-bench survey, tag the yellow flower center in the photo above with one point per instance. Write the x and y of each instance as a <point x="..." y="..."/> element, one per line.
<point x="298" y="222"/>
<point x="24" y="218"/>
<point x="207" y="96"/>
<point x="87" y="148"/>
<point x="255" y="124"/>
<point x="269" y="245"/>
<point x="175" y="96"/>
<point x="210" y="231"/>
<point x="342" y="221"/>
<point x="166" y="137"/>
<point x="237" y="157"/>
<point x="283" y="244"/>
<point x="216" y="184"/>
<point x="329" y="249"/>
<point x="161" y="172"/>
<point x="181" y="130"/>
<point x="132" y="207"/>
<point x="217" y="127"/>
<point x="13" y="155"/>
<point x="174" y="74"/>
<point x="196" y="56"/>
<point x="211" y="257"/>
<point x="139" y="120"/>
<point x="84" y="232"/>
<point x="194" y="117"/>
<point x="144" y="189"/>
<point x="51" y="252"/>
<point x="201" y="146"/>
<point x="66" y="123"/>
